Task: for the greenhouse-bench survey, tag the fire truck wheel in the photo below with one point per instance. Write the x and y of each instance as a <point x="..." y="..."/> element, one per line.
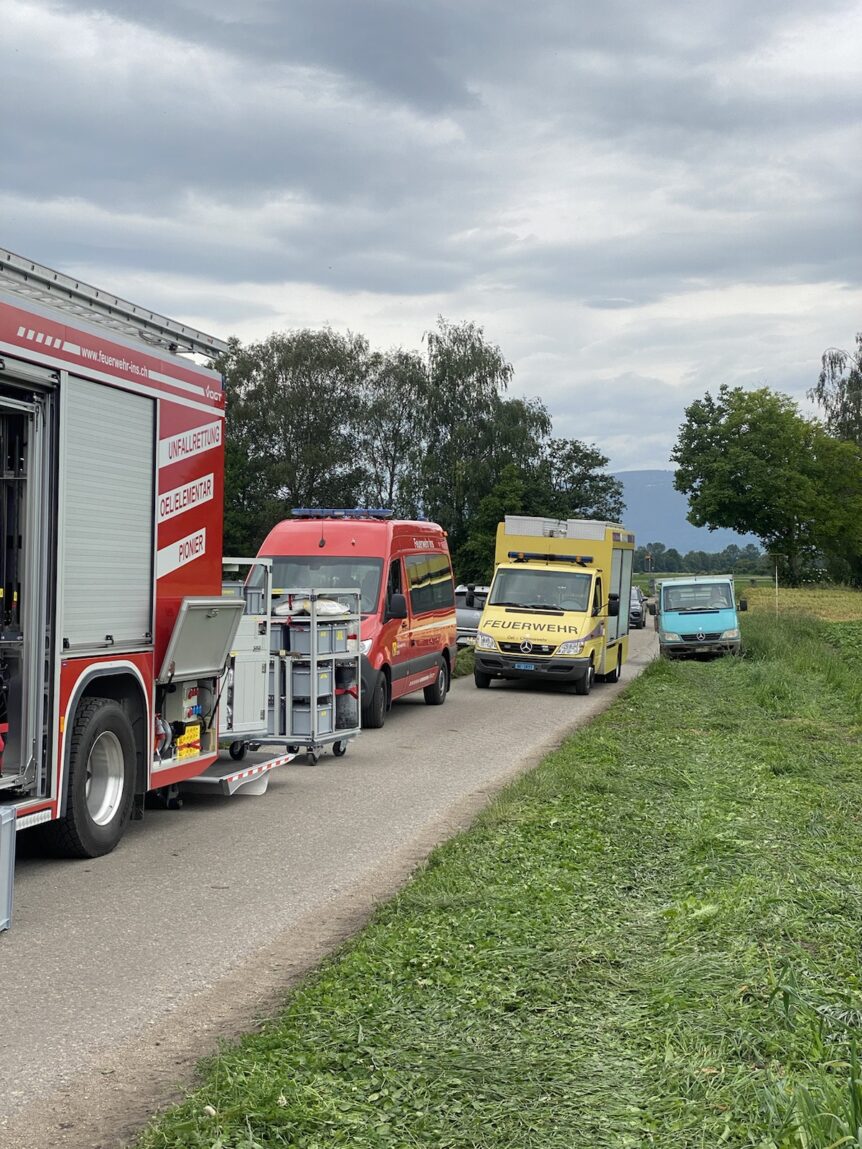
<point x="435" y="694"/>
<point x="101" y="781"/>
<point x="374" y="714"/>
<point x="614" y="675"/>
<point x="482" y="680"/>
<point x="238" y="750"/>
<point x="584" y="685"/>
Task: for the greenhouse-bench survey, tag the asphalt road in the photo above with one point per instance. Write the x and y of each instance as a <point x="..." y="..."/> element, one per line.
<point x="119" y="973"/>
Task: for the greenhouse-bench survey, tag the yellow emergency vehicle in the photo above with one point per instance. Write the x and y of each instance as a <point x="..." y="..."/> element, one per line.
<point x="558" y="608"/>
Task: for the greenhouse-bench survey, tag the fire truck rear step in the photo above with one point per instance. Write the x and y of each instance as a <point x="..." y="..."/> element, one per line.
<point x="224" y="778"/>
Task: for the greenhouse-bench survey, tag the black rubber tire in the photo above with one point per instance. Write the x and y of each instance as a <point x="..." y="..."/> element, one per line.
<point x="374" y="714"/>
<point x="76" y="834"/>
<point x="435" y="694"/>
<point x="339" y="749"/>
<point x="238" y="750"/>
<point x="584" y="685"/>
<point x="483" y="681"/>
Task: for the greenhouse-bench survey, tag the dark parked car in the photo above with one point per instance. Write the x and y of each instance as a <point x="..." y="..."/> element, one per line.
<point x="469" y="603"/>
<point x="637" y="609"/>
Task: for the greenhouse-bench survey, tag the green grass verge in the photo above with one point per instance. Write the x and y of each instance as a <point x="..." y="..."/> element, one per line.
<point x="652" y="940"/>
<point x="463" y="663"/>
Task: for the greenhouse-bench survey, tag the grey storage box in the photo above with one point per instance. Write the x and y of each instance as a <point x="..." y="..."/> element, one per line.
<point x="331" y="638"/>
<point x="279" y="636"/>
<point x="300" y="720"/>
<point x="300" y="638"/>
<point x="7" y="865"/>
<point x="301" y="681"/>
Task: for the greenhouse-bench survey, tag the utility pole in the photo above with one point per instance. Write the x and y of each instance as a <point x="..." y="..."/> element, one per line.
<point x="776" y="557"/>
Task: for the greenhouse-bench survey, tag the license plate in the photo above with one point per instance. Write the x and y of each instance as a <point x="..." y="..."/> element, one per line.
<point x="525" y="666"/>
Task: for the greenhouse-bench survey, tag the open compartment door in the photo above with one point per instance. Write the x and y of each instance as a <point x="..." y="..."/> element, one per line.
<point x="202" y="638"/>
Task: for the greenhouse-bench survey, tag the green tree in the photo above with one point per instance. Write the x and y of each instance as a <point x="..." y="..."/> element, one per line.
<point x="292" y="406"/>
<point x="570" y="482"/>
<point x="389" y="429"/>
<point x="749" y="461"/>
<point x="839" y="392"/>
<point x="474" y="561"/>
<point x="465" y="379"/>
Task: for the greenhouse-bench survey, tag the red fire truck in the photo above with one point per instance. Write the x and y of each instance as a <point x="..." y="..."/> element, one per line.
<point x="113" y="629"/>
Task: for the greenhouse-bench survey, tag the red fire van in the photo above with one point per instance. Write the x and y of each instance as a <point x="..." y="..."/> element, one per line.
<point x="404" y="573"/>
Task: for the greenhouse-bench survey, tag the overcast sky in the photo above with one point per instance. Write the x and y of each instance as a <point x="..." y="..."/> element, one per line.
<point x="637" y="201"/>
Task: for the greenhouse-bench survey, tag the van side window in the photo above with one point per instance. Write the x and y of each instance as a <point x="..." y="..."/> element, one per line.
<point x="597" y="597"/>
<point x="394" y="585"/>
<point x="431" y="585"/>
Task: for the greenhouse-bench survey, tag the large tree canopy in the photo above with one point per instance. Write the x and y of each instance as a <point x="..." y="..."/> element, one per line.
<point x="749" y="461"/>
<point x="317" y="418"/>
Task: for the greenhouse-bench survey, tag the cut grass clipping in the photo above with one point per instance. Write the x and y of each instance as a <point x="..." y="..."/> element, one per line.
<point x="652" y="940"/>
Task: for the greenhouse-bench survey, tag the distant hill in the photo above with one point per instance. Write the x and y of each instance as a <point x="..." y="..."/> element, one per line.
<point x="656" y="513"/>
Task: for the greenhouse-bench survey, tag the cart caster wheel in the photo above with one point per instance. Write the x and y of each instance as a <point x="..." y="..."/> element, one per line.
<point x="238" y="750"/>
<point x="339" y="749"/>
<point x="314" y="757"/>
<point x="293" y="749"/>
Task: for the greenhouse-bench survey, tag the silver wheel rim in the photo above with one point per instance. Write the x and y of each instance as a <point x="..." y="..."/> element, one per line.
<point x="106" y="771"/>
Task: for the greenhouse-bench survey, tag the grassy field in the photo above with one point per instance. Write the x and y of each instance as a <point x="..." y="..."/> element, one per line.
<point x="651" y="940"/>
<point x="833" y="604"/>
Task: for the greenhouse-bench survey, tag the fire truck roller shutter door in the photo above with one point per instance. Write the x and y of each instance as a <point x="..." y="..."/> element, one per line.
<point x="108" y="505"/>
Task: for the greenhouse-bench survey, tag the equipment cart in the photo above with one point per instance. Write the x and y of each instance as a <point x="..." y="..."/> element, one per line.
<point x="313" y="676"/>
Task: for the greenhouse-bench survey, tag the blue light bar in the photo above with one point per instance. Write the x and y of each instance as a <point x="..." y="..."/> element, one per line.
<point x="341" y="513"/>
<point x="526" y="556"/>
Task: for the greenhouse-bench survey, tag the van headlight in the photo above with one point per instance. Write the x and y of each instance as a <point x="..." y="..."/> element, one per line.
<point x="732" y="633"/>
<point x="365" y="646"/>
<point x="573" y="647"/>
<point x="484" y="641"/>
<point x="668" y="636"/>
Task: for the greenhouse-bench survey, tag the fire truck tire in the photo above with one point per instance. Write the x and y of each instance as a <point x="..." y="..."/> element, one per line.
<point x="584" y="685"/>
<point x="238" y="750"/>
<point x="435" y="694"/>
<point x="101" y="781"/>
<point x="374" y="714"/>
<point x="482" y="680"/>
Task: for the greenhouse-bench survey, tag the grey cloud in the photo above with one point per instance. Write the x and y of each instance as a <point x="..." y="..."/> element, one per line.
<point x="405" y="150"/>
<point x="397" y="50"/>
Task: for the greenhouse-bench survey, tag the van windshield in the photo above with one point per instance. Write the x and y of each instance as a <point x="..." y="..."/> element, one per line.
<point x="541" y="590"/>
<point x="697" y="597"/>
<point x="329" y="572"/>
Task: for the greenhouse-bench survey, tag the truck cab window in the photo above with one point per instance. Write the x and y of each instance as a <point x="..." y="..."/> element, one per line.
<point x="597" y="597"/>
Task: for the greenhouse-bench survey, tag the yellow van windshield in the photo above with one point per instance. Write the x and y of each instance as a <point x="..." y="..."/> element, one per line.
<point x="541" y="589"/>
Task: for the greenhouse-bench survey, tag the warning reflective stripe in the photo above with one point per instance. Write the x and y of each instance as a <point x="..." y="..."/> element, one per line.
<point x="182" y="552"/>
<point x="172" y="503"/>
<point x="189" y="443"/>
